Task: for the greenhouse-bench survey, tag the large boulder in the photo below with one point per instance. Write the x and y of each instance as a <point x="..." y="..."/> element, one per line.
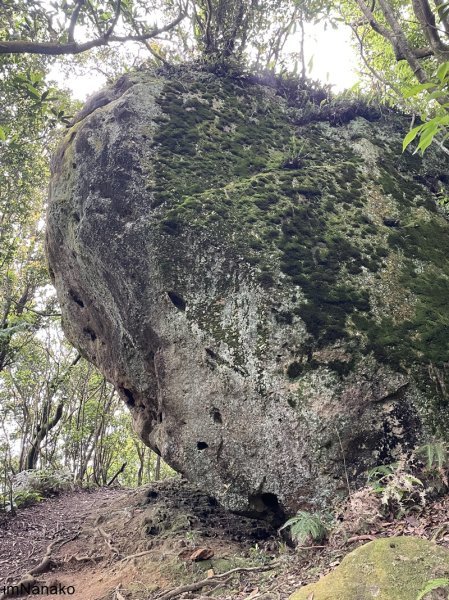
<point x="265" y="282"/>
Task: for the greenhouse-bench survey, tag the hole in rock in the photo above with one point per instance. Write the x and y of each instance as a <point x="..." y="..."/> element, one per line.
<point x="270" y="500"/>
<point x="391" y="222"/>
<point x="211" y="353"/>
<point x="266" y="506"/>
<point x="76" y="217"/>
<point x="90" y="333"/>
<point x="130" y="401"/>
<point x="294" y="370"/>
<point x="74" y="296"/>
<point x="216" y="415"/>
<point x="202" y="445"/>
<point x="177" y="300"/>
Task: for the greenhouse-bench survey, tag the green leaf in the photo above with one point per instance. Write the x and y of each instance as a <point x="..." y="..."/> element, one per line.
<point x="435" y="95"/>
<point x="411" y="136"/>
<point x="305" y="525"/>
<point x="442" y="71"/>
<point x="2" y="135"/>
<point x="310" y="64"/>
<point x="416" y="89"/>
<point x="33" y="91"/>
<point x="427" y="138"/>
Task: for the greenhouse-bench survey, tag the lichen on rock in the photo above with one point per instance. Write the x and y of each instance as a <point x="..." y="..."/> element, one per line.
<point x="266" y="294"/>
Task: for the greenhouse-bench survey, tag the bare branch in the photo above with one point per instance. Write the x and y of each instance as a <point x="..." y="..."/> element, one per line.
<point x="373" y="71"/>
<point x="369" y="16"/>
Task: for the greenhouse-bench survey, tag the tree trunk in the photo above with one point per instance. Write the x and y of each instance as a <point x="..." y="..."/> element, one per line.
<point x="157" y="471"/>
<point x="42" y="431"/>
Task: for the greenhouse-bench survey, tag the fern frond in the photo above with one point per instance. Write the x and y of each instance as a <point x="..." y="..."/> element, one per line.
<point x="432" y="585"/>
<point x="306" y="525"/>
<point x="435" y="454"/>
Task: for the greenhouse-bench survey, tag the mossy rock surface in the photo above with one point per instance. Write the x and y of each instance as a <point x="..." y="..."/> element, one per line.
<point x="264" y="281"/>
<point x="395" y="568"/>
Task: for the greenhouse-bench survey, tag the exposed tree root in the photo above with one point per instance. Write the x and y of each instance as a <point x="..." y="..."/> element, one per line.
<point x="46" y="562"/>
<point x="137" y="555"/>
<point x="108" y="539"/>
<point x="216" y="580"/>
<point x="10" y="589"/>
<point x="29" y="579"/>
<point x="85" y="558"/>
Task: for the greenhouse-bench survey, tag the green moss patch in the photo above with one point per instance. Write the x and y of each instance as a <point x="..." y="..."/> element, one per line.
<point x="395" y="568"/>
<point x="292" y="206"/>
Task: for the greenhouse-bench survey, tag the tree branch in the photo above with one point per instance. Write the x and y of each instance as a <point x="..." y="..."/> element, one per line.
<point x="400" y="42"/>
<point x="389" y="34"/>
<point x="118" y="8"/>
<point x="369" y="16"/>
<point x="443" y="13"/>
<point x="369" y="67"/>
<point x="57" y="49"/>
<point x="426" y="18"/>
<point x="73" y="21"/>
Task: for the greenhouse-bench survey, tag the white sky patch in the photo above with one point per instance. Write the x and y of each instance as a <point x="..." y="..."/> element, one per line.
<point x="331" y="56"/>
<point x="80" y="86"/>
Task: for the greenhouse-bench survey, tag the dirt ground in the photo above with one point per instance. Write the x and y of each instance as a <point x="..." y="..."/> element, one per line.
<point x="121" y="544"/>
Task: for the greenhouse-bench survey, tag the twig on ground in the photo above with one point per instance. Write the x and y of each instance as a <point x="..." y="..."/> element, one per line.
<point x="360" y="538"/>
<point x="118" y="595"/>
<point x="194" y="587"/>
<point x="443" y="527"/>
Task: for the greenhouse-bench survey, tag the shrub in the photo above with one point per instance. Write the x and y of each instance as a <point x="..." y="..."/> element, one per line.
<point x="44" y="481"/>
